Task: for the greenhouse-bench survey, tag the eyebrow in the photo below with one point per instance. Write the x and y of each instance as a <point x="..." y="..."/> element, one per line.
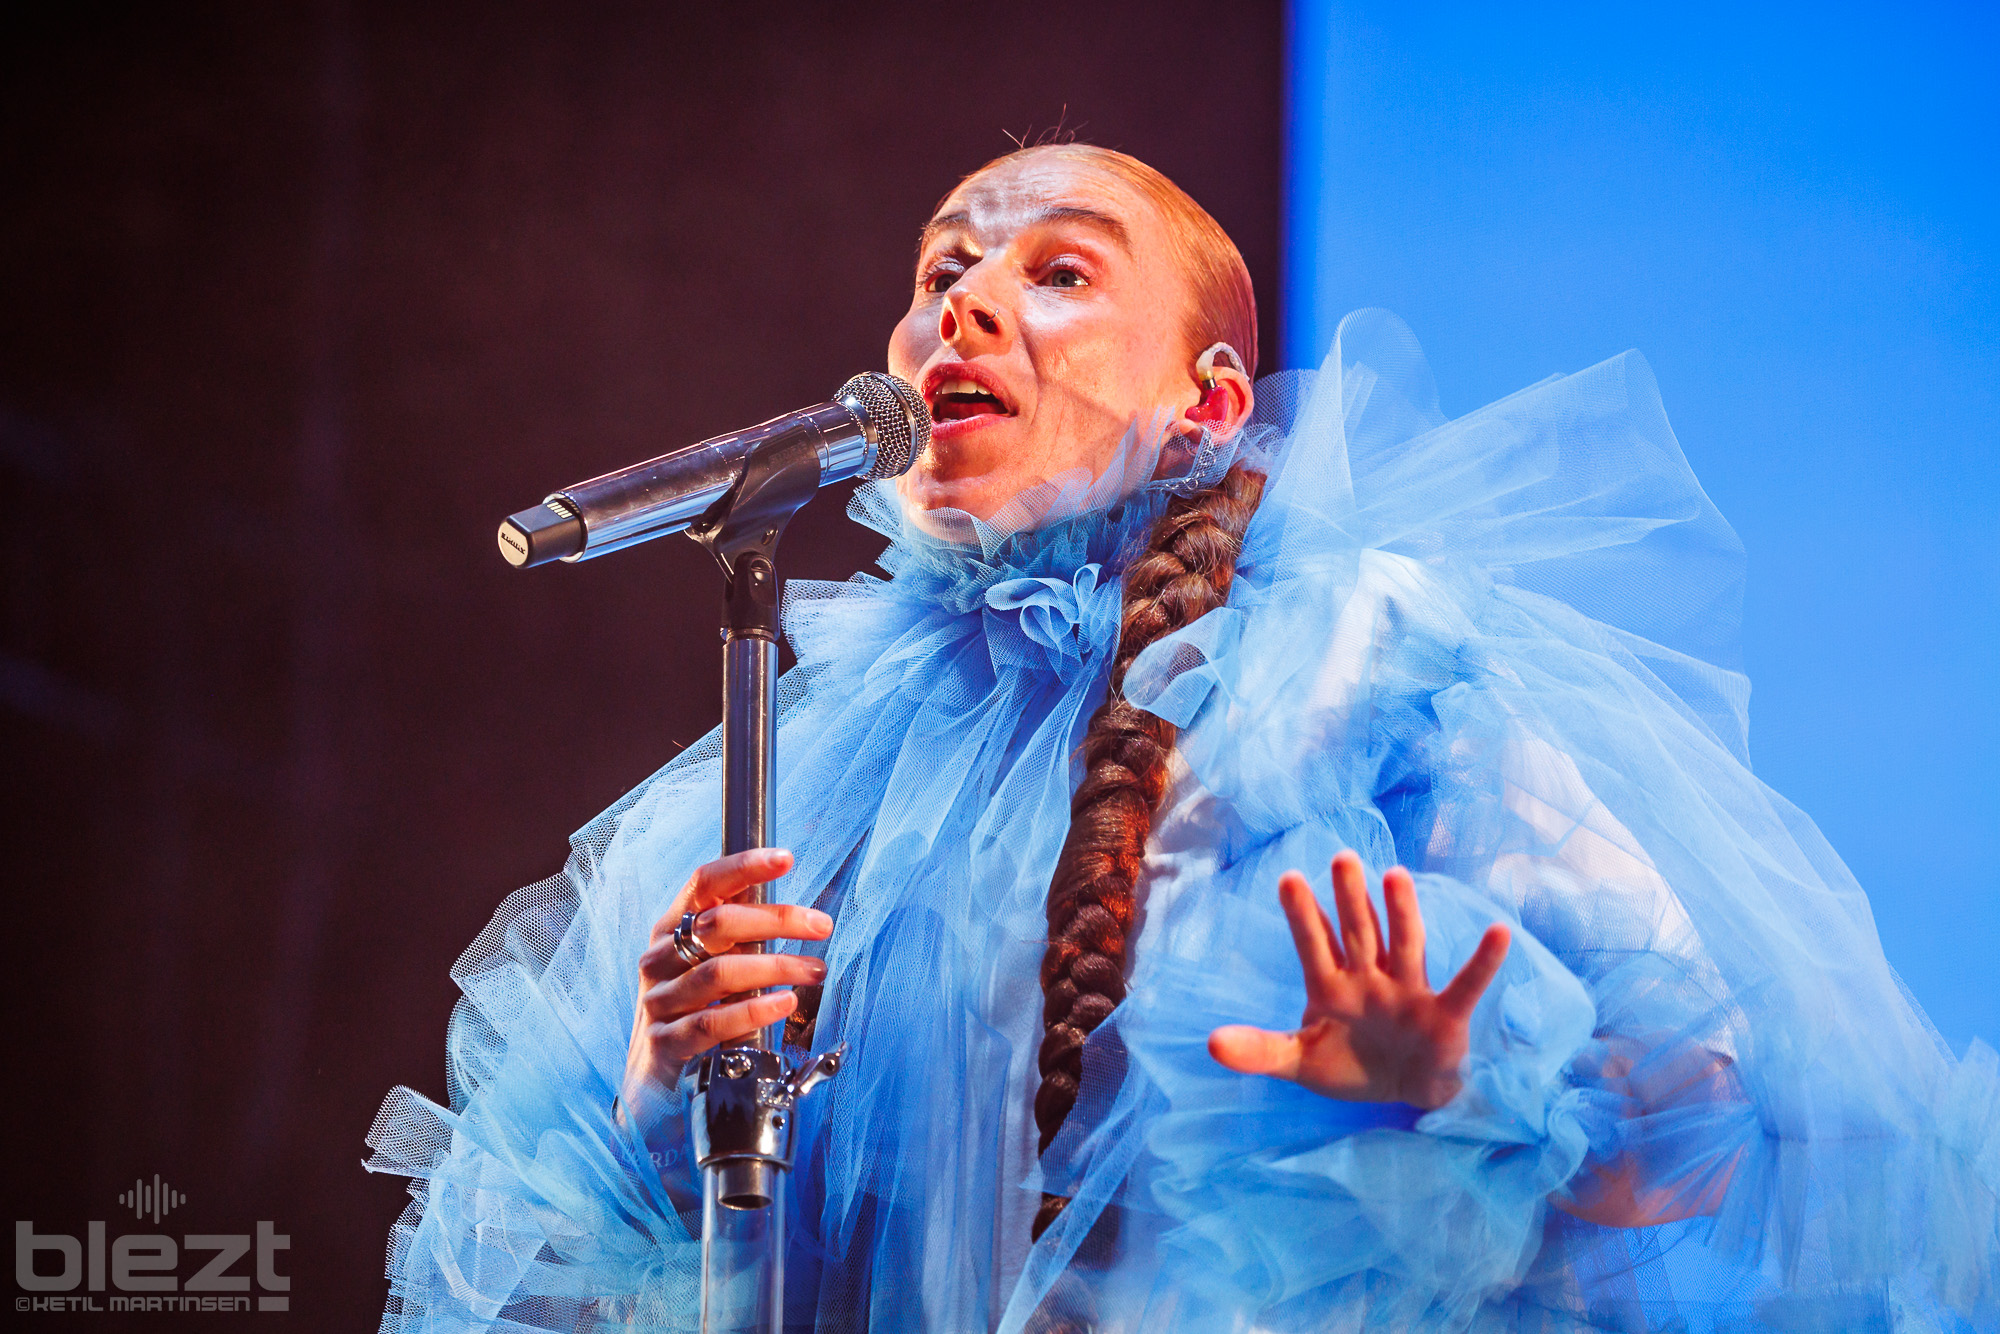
<point x="1088" y="217"/>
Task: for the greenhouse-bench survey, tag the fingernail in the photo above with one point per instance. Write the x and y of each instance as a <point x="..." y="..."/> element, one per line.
<point x="817" y="969"/>
<point x="819" y="920"/>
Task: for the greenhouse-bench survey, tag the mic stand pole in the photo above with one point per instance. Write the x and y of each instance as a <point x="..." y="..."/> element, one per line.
<point x="743" y="1105"/>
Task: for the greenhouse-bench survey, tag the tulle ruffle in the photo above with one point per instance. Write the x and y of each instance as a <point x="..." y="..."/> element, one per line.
<point x="1497" y="649"/>
<point x="1408" y="641"/>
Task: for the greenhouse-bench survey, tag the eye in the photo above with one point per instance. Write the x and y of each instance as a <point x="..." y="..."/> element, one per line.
<point x="940" y="280"/>
<point x="1065" y="276"/>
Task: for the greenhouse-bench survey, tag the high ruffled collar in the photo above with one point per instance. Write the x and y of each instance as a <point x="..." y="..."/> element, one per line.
<point x="1041" y="579"/>
<point x="1057" y="527"/>
<point x="956" y="576"/>
<point x="1044" y="599"/>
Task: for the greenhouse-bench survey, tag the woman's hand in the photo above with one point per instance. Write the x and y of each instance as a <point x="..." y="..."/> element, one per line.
<point x="1644" y="1189"/>
<point x="685" y="1011"/>
<point x="1373" y="1030"/>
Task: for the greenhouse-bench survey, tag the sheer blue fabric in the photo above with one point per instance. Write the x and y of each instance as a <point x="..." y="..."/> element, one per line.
<point x="1496" y="649"/>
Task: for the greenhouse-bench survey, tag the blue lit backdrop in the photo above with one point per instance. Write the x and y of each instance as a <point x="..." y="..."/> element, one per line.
<point x="1791" y="212"/>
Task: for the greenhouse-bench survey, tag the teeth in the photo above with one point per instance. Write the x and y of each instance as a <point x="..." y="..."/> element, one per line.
<point x="964" y="387"/>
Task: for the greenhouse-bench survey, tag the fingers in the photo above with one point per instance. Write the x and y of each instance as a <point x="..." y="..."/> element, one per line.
<point x="729" y="975"/>
<point x="686" y="1038"/>
<point x="1405" y="950"/>
<point x="724" y="926"/>
<point x="1360" y="935"/>
<point x="1311" y="936"/>
<point x="1257" y="1051"/>
<point x="727" y="925"/>
<point x="1463" y="992"/>
<point x="723" y="879"/>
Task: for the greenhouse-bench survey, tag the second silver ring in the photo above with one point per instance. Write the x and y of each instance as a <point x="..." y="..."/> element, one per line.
<point x="687" y="944"/>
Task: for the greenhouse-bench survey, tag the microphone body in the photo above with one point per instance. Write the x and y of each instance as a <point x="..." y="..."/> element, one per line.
<point x="872" y="427"/>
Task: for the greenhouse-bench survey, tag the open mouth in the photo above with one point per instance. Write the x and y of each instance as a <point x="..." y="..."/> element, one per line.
<point x="961" y="394"/>
<point x="960" y="399"/>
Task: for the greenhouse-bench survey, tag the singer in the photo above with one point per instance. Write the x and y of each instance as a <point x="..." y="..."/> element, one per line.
<point x="1279" y="858"/>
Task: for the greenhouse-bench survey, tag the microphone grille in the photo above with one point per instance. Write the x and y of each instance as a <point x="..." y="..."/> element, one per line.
<point x="898" y="417"/>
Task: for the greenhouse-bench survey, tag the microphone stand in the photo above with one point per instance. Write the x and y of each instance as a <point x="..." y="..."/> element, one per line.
<point x="745" y="1094"/>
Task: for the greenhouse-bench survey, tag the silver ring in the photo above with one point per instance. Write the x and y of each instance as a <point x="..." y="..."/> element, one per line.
<point x="687" y="944"/>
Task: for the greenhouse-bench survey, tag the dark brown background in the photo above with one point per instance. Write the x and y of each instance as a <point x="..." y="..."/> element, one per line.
<point x="295" y="303"/>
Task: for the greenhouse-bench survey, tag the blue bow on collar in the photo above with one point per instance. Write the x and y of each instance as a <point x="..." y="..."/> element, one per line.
<point x="1068" y="619"/>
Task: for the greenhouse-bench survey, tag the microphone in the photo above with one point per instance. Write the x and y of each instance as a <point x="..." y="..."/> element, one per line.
<point x="873" y="426"/>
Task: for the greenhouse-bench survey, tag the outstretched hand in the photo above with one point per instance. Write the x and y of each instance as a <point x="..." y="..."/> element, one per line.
<point x="1373" y="1030"/>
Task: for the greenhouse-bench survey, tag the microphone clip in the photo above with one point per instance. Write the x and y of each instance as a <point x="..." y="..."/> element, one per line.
<point x="743" y="528"/>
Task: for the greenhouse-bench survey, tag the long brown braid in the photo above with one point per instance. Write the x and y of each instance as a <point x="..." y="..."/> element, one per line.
<point x="1184" y="573"/>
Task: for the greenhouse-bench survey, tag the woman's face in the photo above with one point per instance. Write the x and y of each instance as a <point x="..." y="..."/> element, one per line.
<point x="1048" y="317"/>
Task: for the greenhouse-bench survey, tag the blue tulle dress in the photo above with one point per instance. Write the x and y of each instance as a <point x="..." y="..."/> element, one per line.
<point x="1497" y="650"/>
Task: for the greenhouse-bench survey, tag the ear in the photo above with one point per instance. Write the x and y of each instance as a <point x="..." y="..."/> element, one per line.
<point x="1225" y="404"/>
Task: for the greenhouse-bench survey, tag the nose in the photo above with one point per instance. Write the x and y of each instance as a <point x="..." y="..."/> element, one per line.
<point x="970" y="323"/>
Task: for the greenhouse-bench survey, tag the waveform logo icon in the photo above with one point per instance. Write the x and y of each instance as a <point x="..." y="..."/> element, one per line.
<point x="157" y="1199"/>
